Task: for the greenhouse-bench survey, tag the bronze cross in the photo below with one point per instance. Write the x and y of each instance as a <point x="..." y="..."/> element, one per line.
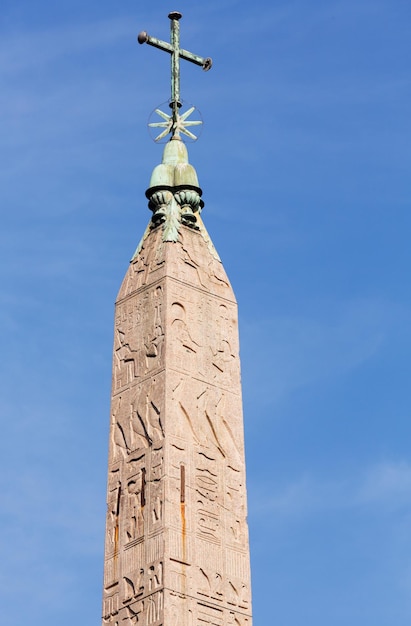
<point x="176" y="52"/>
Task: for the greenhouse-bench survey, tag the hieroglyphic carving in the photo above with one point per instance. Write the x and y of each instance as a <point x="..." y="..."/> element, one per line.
<point x="210" y="584"/>
<point x="141" y="582"/>
<point x="177" y="428"/>
<point x="209" y="615"/>
<point x="208" y="552"/>
<point x="126" y="360"/>
<point x="213" y="354"/>
<point x="113" y="478"/>
<point x="127" y="363"/>
<point x="133" y="558"/>
<point x="226" y="329"/>
<point x="154" y="338"/>
<point x="135" y="614"/>
<point x="224" y="363"/>
<point x="208" y="525"/>
<point x="154" y="576"/>
<point x="138" y="271"/>
<point x="112" y="520"/>
<point x="135" y="462"/>
<point x="237" y="594"/>
<point x="111" y="621"/>
<point x="120" y="429"/>
<point x="137" y="417"/>
<point x="180" y="546"/>
<point x="237" y="620"/>
<point x="205" y="413"/>
<point x="197" y="267"/>
<point x="133" y="585"/>
<point x="214" y="585"/>
<point x="244" y="596"/>
<point x="154" y="548"/>
<point x="131" y="317"/>
<point x="207" y="484"/>
<point x="150" y="609"/>
<point x="178" y="578"/>
<point x="208" y="522"/>
<point x="110" y="602"/>
<point x="156" y="505"/>
<point x="185" y="425"/>
<point x="146" y="418"/>
<point x="134" y="507"/>
<point x="235" y="508"/>
<point x="237" y="564"/>
<point x="110" y="571"/>
<point x="157" y="464"/>
<point x="144" y="266"/>
<point x="185" y="345"/>
<point x="219" y="423"/>
<point x="139" y="337"/>
<point x="155" y="607"/>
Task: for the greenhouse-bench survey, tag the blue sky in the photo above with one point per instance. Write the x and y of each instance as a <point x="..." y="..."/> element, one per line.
<point x="304" y="161"/>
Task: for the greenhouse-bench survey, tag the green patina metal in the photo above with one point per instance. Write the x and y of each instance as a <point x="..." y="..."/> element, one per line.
<point x="175" y="123"/>
<point x="174" y="170"/>
<point x="174" y="194"/>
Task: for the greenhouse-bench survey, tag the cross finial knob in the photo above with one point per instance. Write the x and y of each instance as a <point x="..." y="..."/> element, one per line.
<point x="175" y="15"/>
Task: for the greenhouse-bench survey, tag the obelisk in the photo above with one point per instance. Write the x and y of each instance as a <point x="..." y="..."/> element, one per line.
<point x="177" y="551"/>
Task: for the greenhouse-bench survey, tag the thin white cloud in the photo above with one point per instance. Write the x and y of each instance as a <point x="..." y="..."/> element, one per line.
<point x="385" y="486"/>
<point x="293" y="352"/>
<point x="386" y="482"/>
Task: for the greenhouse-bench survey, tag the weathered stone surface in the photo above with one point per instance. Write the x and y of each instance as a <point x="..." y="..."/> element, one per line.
<point x="177" y="549"/>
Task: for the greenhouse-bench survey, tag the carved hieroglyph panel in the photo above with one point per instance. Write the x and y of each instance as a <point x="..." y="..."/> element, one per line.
<point x="208" y="509"/>
<point x="137" y="417"/>
<point x="141" y="579"/>
<point x="110" y="602"/>
<point x="191" y="262"/>
<point x="209" y="616"/>
<point x="148" y="611"/>
<point x="132" y="585"/>
<point x="133" y="507"/>
<point x="206" y="415"/>
<point x="154" y="548"/>
<point x="157" y="463"/>
<point x="146" y="267"/>
<point x="235" y="507"/>
<point x="138" y="336"/>
<point x="155" y="505"/>
<point x="237" y="564"/>
<point x="113" y="519"/>
<point x="212" y="582"/>
<point x="234" y="619"/>
<point x="133" y="559"/>
<point x="203" y="336"/>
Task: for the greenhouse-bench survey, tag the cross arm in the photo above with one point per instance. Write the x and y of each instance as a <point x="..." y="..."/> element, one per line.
<point x="194" y="58"/>
<point x="205" y="63"/>
<point x="143" y="37"/>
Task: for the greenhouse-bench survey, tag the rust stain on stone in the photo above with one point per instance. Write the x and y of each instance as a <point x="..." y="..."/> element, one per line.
<point x="183" y="529"/>
<point x="116" y="539"/>
<point x="183" y="544"/>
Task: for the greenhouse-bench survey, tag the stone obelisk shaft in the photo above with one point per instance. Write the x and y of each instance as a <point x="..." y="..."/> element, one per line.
<point x="177" y="549"/>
